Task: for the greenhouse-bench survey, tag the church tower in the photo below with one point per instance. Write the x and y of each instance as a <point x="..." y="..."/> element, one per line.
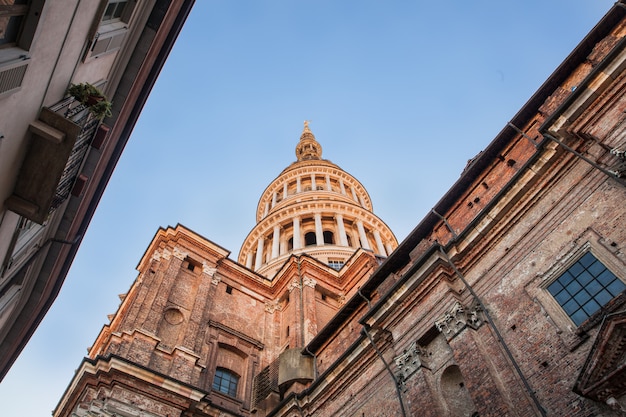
<point x="199" y="334"/>
<point x="313" y="207"/>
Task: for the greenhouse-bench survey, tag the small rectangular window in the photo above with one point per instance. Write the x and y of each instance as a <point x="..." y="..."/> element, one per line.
<point x="585" y="287"/>
<point x="112" y="28"/>
<point x="335" y="264"/>
<point x="229" y="289"/>
<point x="226" y="381"/>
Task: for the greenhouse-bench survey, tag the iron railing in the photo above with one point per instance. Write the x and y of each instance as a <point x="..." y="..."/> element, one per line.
<point x="78" y="113"/>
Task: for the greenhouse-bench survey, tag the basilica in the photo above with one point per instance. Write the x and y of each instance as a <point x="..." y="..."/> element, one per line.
<point x="507" y="299"/>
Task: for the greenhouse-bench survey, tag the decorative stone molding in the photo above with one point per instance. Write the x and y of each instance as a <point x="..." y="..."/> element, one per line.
<point x="309" y="282"/>
<point x="293" y="285"/>
<point x="341" y="298"/>
<point x="272" y="306"/>
<point x="459" y="317"/>
<point x="409" y="361"/>
<point x="166" y="254"/>
<point x="179" y="254"/>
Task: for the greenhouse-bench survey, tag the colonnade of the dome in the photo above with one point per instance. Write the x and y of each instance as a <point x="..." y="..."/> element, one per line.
<point x="313" y="207"/>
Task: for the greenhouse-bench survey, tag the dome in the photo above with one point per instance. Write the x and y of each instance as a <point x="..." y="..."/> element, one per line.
<point x="316" y="208"/>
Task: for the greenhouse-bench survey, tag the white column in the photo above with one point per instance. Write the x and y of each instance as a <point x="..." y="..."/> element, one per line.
<point x="364" y="243"/>
<point x="284" y="191"/>
<point x="361" y="201"/>
<point x="354" y="195"/>
<point x="319" y="233"/>
<point x="298" y="185"/>
<point x="267" y="209"/>
<point x="341" y="228"/>
<point x="259" y="254"/>
<point x="297" y="239"/>
<point x="379" y="243"/>
<point x="313" y="184"/>
<point x="273" y="199"/>
<point x="342" y="186"/>
<point x="388" y="246"/>
<point x="249" y="260"/>
<point x="275" y="241"/>
<point x="328" y="186"/>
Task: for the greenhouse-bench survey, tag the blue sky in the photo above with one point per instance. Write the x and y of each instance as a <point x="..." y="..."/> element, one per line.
<point x="401" y="94"/>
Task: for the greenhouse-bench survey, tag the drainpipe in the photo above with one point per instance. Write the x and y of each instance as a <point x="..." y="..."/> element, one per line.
<point x="382" y="358"/>
<point x="301" y="282"/>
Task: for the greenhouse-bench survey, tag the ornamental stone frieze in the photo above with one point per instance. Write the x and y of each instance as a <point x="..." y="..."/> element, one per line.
<point x="409" y="361"/>
<point x="459" y="317"/>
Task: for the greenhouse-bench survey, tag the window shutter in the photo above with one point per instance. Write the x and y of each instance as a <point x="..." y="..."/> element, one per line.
<point x="12" y="75"/>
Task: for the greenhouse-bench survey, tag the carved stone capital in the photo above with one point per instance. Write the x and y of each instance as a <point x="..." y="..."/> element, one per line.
<point x="293" y="285"/>
<point x="409" y="361"/>
<point x="166" y="254"/>
<point x="272" y="306"/>
<point x="179" y="254"/>
<point x="459" y="317"/>
<point x="309" y="282"/>
<point x="210" y="271"/>
<point x="156" y="255"/>
<point x="341" y="298"/>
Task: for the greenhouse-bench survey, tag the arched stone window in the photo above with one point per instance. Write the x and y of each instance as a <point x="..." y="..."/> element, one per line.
<point x="310" y="239"/>
<point x="290" y="244"/>
<point x="455" y="392"/>
<point x="329" y="238"/>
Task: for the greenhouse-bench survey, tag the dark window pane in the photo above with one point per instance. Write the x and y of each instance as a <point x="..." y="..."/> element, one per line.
<point x="10" y="29"/>
<point x="591" y="307"/>
<point x="584" y="278"/>
<point x="562" y="297"/>
<point x="570" y="307"/>
<point x="579" y="317"/>
<point x="603" y="297"/>
<point x="616" y="287"/>
<point x="594" y="287"/>
<point x="566" y="278"/>
<point x="596" y="268"/>
<point x="576" y="269"/>
<point x="582" y="297"/>
<point x="573" y="287"/>
<point x="587" y="259"/>
<point x="555" y="287"/>
<point x="606" y="278"/>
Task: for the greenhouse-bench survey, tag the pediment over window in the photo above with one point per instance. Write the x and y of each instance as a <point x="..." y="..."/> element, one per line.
<point x="604" y="373"/>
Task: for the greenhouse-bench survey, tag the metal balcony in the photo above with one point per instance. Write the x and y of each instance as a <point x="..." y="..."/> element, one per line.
<point x="59" y="144"/>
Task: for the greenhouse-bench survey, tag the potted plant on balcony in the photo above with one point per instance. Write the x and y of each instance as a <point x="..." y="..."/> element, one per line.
<point x="92" y="97"/>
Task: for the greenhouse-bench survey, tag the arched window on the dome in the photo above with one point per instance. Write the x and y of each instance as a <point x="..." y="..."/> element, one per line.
<point x="329" y="237"/>
<point x="290" y="244"/>
<point x="310" y="239"/>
